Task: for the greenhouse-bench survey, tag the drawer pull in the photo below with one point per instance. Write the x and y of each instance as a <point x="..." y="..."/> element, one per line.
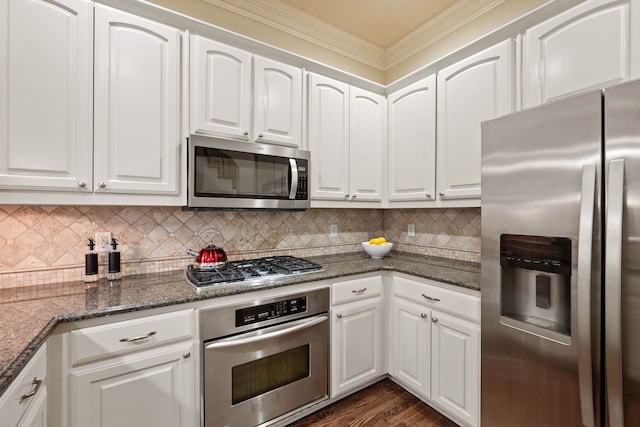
<point x="434" y="319"/>
<point x="140" y="338"/>
<point x="36" y="383"/>
<point x="339" y="316"/>
<point x="430" y="298"/>
<point x="359" y="291"/>
<point x="423" y="315"/>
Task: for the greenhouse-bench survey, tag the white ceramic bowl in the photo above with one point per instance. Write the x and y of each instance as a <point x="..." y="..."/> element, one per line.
<point x="377" y="251"/>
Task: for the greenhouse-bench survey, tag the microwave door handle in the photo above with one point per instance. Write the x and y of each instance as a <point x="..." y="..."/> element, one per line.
<point x="613" y="292"/>
<point x="293" y="165"/>
<point x="585" y="243"/>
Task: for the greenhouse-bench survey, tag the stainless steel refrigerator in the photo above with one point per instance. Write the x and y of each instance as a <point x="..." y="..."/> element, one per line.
<point x="561" y="263"/>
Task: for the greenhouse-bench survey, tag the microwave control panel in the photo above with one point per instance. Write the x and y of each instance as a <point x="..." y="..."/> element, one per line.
<point x="302" y="193"/>
<point x="259" y="313"/>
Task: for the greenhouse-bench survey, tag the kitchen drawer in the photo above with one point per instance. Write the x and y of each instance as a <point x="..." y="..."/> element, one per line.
<point x="32" y="378"/>
<point x="436" y="297"/>
<point x="356" y="289"/>
<point x="124" y="337"/>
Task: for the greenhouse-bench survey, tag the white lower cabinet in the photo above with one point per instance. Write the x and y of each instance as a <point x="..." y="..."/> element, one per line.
<point x="435" y="349"/>
<point x="149" y="389"/>
<point x="138" y="372"/>
<point x="356" y="333"/>
<point x="24" y="403"/>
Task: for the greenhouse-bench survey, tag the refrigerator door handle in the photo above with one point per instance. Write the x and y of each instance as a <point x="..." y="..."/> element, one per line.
<point x="613" y="292"/>
<point x="585" y="245"/>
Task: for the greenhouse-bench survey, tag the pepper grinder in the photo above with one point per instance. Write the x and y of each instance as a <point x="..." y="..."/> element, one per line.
<point x="114" y="261"/>
<point x="91" y="263"/>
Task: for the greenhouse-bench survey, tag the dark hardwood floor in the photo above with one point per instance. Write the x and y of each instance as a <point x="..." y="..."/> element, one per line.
<point x="379" y="405"/>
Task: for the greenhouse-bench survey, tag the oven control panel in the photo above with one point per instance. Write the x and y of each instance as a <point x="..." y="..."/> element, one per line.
<point x="259" y="313"/>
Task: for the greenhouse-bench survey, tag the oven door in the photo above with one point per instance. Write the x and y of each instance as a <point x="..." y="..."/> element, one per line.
<point x="254" y="377"/>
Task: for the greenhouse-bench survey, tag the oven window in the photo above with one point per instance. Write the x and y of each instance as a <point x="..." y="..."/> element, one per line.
<point x="260" y="376"/>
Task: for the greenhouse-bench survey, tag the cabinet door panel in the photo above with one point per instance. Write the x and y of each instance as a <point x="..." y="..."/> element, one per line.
<point x="455" y="372"/>
<point x="356" y="352"/>
<point x="471" y="91"/>
<point x="278" y="102"/>
<point x="137" y="98"/>
<point x="329" y="137"/>
<point x="366" y="145"/>
<point x="412" y="141"/>
<point x="586" y="47"/>
<point x="411" y="350"/>
<point x="220" y="89"/>
<point x="45" y="94"/>
<point x="153" y="390"/>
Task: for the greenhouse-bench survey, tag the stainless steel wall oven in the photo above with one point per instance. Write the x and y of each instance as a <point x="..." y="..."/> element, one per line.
<point x="264" y="359"/>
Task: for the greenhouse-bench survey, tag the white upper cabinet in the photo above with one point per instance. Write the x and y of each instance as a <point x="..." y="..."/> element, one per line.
<point x="329" y="138"/>
<point x="475" y="89"/>
<point x="137" y="104"/>
<point x="220" y="89"/>
<point x="366" y="145"/>
<point x="346" y="140"/>
<point x="277" y="102"/>
<point x="412" y="142"/>
<point x="230" y="100"/>
<point x="46" y="51"/>
<point x="587" y="47"/>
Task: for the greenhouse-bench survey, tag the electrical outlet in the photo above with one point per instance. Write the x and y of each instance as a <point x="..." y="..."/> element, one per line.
<point x="103" y="241"/>
<point x="411" y="230"/>
<point x="333" y="230"/>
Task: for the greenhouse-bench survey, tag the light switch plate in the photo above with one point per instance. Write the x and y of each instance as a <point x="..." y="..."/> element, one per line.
<point x="333" y="230"/>
<point x="411" y="230"/>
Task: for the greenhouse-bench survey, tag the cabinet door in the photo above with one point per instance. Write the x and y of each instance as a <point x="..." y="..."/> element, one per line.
<point x="220" y="89"/>
<point x="36" y="415"/>
<point x="137" y="99"/>
<point x="278" y="102"/>
<point x="586" y="47"/>
<point x="366" y="145"/>
<point x="46" y="68"/>
<point x="412" y="141"/>
<point x="356" y="352"/>
<point x="329" y="138"/>
<point x="473" y="90"/>
<point x="455" y="371"/>
<point x="411" y="349"/>
<point x="152" y="389"/>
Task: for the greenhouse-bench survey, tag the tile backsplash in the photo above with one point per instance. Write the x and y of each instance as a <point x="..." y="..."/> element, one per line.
<point x="45" y="244"/>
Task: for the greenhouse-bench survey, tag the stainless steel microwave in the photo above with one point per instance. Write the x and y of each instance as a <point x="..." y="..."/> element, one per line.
<point x="224" y="174"/>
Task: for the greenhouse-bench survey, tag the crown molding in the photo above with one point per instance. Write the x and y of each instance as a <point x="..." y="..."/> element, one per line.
<point x="446" y="22"/>
<point x="298" y="24"/>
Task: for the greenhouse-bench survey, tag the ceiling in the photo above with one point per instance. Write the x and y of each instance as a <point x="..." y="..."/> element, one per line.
<point x="380" y="22"/>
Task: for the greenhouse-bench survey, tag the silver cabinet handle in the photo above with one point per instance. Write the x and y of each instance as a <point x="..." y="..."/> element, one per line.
<point x="359" y="291"/>
<point x="246" y="132"/>
<point x="261" y="335"/>
<point x="354" y="196"/>
<point x="261" y="135"/>
<point x="585" y="244"/>
<point x="613" y="293"/>
<point x="423" y="315"/>
<point x="346" y="196"/>
<point x="430" y="298"/>
<point x="36" y="386"/>
<point x="441" y="194"/>
<point x="82" y="184"/>
<point x="102" y="184"/>
<point x="186" y="354"/>
<point x="428" y="195"/>
<point x="339" y="316"/>
<point x="434" y="319"/>
<point x="140" y="338"/>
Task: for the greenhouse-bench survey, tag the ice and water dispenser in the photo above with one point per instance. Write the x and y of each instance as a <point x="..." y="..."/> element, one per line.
<point x="536" y="285"/>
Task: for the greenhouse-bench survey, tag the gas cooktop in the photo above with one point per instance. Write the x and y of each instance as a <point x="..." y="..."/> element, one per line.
<point x="250" y="271"/>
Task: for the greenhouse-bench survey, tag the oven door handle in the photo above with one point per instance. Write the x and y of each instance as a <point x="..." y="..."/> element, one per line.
<point x="261" y="335"/>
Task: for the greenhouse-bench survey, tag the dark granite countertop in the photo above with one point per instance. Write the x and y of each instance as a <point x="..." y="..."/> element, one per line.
<point x="28" y="315"/>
